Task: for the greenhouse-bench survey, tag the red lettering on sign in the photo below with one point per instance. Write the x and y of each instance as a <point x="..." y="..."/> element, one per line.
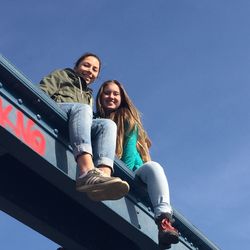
<point x="26" y="132"/>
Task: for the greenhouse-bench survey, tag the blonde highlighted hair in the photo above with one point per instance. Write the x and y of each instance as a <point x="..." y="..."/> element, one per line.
<point x="127" y="118"/>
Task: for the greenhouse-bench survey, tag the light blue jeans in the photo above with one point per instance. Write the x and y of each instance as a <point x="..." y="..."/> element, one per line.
<point x="96" y="137"/>
<point x="152" y="174"/>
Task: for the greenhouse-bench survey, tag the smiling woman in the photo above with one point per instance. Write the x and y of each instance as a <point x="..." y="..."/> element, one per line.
<point x="132" y="148"/>
<point x="88" y="67"/>
<point x="69" y="88"/>
<point x="111" y="97"/>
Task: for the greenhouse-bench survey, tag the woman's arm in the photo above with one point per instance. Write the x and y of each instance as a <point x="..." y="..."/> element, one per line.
<point x="50" y="84"/>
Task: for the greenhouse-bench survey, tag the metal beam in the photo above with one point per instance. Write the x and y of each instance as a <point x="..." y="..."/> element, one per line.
<point x="37" y="180"/>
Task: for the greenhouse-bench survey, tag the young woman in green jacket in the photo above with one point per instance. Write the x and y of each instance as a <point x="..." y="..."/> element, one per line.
<point x="93" y="140"/>
<point x="132" y="147"/>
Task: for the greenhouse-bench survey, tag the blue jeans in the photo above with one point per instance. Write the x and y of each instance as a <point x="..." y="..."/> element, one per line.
<point x="96" y="137"/>
<point x="152" y="174"/>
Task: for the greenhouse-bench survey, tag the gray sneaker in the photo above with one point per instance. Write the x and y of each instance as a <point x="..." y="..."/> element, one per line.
<point x="101" y="186"/>
<point x="113" y="192"/>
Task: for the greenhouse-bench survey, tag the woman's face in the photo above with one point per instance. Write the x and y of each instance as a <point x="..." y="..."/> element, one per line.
<point x="111" y="97"/>
<point x="88" y="69"/>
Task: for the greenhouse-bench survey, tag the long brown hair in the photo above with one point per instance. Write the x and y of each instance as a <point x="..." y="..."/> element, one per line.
<point x="127" y="118"/>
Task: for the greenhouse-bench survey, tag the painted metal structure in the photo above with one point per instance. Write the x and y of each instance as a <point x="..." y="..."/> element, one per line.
<point x="37" y="180"/>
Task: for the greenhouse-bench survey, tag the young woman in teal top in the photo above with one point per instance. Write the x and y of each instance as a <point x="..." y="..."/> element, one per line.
<point x="132" y="148"/>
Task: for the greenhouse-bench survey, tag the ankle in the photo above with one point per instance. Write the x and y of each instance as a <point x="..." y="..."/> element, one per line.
<point x="83" y="170"/>
<point x="105" y="169"/>
<point x="162" y="216"/>
<point x="84" y="163"/>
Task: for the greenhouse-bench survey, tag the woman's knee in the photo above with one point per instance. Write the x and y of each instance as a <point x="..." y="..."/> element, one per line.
<point x="85" y="109"/>
<point x="109" y="125"/>
<point x="154" y="167"/>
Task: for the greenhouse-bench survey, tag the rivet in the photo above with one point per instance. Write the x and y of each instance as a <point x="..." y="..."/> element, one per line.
<point x="191" y="244"/>
<point x="137" y="212"/>
<point x="139" y="226"/>
<point x="38" y="100"/>
<point x="1" y="85"/>
<point x="149" y="209"/>
<point x="56" y="131"/>
<point x="20" y="101"/>
<point x="38" y="117"/>
<point x="185" y="238"/>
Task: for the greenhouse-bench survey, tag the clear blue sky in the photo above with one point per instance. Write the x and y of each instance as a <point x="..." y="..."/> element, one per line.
<point x="186" y="65"/>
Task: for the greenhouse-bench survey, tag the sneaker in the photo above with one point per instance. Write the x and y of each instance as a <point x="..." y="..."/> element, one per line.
<point x="167" y="234"/>
<point x="116" y="192"/>
<point x="99" y="186"/>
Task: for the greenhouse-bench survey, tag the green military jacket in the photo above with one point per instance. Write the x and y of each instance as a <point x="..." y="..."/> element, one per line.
<point x="66" y="86"/>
